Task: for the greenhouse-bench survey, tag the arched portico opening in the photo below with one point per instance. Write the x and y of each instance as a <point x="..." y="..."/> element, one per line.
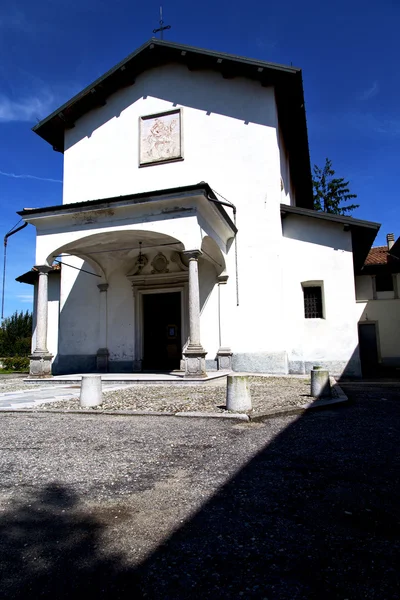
<point x="130" y="301"/>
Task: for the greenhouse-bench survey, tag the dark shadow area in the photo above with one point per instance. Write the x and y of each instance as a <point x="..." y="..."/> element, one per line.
<point x="315" y="514"/>
<point x="50" y="549"/>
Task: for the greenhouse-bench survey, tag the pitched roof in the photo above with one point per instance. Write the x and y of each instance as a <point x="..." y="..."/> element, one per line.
<point x="377" y="256"/>
<point x="287" y="82"/>
<point x="380" y="260"/>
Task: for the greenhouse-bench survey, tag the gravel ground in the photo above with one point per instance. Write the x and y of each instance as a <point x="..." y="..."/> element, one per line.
<point x="113" y="507"/>
<point x="10" y="383"/>
<point x="266" y="392"/>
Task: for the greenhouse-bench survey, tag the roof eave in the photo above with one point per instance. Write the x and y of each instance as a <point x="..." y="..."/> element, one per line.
<point x="199" y="189"/>
<point x="363" y="233"/>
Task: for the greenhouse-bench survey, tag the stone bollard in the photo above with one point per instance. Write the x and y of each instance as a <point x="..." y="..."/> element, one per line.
<point x="90" y="391"/>
<point x="320" y="384"/>
<point x="238" y="397"/>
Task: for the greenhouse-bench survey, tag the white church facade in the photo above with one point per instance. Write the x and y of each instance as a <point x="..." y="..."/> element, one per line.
<point x="187" y="237"/>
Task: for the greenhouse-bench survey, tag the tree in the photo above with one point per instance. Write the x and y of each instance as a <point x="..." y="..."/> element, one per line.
<point x="330" y="192"/>
<point x="16" y="335"/>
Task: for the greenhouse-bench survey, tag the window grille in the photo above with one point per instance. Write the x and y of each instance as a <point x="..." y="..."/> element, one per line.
<point x="312" y="302"/>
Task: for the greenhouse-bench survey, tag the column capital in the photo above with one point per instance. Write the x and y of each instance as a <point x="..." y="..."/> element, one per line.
<point x="42" y="269"/>
<point x="192" y="254"/>
<point x="103" y="287"/>
<point x="223" y="278"/>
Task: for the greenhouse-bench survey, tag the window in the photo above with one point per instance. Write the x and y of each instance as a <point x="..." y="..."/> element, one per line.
<point x="313" y="302"/>
<point x="384" y="282"/>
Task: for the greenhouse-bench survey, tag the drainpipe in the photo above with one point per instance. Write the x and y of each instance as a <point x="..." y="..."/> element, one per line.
<point x="9" y="234"/>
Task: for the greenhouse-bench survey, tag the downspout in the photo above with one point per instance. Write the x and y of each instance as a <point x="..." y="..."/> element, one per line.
<point x="9" y="234"/>
<point x="233" y="207"/>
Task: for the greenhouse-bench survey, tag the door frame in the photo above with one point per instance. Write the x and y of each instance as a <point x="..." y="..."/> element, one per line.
<point x="378" y="341"/>
<point x="139" y="317"/>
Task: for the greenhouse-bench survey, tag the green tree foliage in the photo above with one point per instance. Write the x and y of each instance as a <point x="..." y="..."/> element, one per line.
<point x="331" y="192"/>
<point x="16" y="335"/>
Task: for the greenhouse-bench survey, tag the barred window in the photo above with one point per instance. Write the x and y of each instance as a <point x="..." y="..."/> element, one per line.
<point x="313" y="302"/>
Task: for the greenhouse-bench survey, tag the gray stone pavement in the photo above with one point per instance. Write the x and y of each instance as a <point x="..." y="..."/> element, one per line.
<point x="112" y="507"/>
<point x="31" y="398"/>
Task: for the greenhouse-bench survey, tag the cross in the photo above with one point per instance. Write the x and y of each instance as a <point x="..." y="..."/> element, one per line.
<point x="162" y="28"/>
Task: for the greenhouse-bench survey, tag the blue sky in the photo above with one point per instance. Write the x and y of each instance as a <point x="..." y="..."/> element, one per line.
<point x="348" y="50"/>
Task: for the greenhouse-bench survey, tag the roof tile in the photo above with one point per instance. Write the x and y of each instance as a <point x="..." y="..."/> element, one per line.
<point x="377" y="256"/>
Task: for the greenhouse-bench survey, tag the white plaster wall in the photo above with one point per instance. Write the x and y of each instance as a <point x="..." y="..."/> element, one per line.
<point x="120" y="317"/>
<point x="317" y="251"/>
<point x="209" y="329"/>
<point x="229" y="129"/>
<point x="55" y="236"/>
<point x="387" y="315"/>
<point x="287" y="190"/>
<point x="53" y="309"/>
<point x="364" y="288"/>
<point x="231" y="142"/>
<point x="79" y="310"/>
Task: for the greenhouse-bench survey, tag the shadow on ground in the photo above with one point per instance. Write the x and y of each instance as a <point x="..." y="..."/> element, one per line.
<point x="313" y="515"/>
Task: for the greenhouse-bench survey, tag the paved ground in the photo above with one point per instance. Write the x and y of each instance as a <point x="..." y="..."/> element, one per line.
<point x="267" y="393"/>
<point x="17" y="394"/>
<point x="156" y="507"/>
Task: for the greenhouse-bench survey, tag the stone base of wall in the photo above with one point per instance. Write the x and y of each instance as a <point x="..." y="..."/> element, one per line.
<point x="337" y="368"/>
<point x="120" y="366"/>
<point x="65" y="364"/>
<point x="211" y="365"/>
<point x="260" y="362"/>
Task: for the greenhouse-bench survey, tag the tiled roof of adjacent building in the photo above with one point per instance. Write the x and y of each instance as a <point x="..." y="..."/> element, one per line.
<point x="380" y="259"/>
<point x="377" y="256"/>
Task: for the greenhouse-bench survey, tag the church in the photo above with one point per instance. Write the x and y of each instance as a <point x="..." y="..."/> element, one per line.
<point x="186" y="239"/>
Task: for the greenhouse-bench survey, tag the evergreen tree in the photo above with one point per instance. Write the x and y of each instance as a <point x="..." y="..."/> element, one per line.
<point x="16" y="335"/>
<point x="330" y="192"/>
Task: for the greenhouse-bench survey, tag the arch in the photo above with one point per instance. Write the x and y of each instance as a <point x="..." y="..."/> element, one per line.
<point x="213" y="254"/>
<point x="123" y="244"/>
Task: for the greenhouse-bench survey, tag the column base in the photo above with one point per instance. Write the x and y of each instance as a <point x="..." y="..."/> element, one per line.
<point x="195" y="362"/>
<point x="224" y="359"/>
<point x="102" y="360"/>
<point x="40" y="364"/>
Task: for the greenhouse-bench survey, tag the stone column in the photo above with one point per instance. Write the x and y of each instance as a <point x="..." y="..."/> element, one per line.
<point x="40" y="360"/>
<point x="195" y="364"/>
<point x="224" y="354"/>
<point x="102" y="352"/>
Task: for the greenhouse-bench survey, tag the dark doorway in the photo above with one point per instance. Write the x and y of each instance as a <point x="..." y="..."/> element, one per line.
<point x="162" y="331"/>
<point x="368" y="349"/>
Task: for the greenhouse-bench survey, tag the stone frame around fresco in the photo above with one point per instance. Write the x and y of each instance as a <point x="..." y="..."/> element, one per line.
<point x="177" y="111"/>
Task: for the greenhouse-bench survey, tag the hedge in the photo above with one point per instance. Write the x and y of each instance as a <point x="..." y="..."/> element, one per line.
<point x="16" y="363"/>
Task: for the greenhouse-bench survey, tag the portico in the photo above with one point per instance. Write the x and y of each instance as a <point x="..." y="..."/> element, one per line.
<point x="171" y="246"/>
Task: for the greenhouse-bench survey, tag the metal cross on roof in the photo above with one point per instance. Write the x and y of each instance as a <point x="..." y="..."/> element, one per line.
<point x="162" y="27"/>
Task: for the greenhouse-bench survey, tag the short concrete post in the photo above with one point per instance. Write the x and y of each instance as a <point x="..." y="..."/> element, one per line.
<point x="90" y="391"/>
<point x="238" y="398"/>
<point x="320" y="384"/>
